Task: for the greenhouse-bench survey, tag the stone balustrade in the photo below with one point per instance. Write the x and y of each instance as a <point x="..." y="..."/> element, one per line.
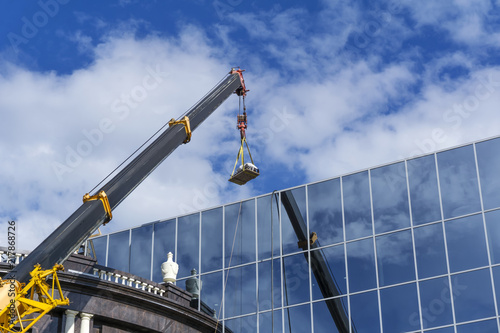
<point x="121" y="278"/>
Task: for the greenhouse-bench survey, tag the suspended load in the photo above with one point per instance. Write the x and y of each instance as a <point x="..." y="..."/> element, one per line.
<point x="246" y="171"/>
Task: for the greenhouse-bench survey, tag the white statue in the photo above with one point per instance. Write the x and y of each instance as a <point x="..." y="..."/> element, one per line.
<point x="169" y="269"/>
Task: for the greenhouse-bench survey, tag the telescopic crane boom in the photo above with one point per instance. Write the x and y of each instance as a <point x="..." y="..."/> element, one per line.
<point x="96" y="209"/>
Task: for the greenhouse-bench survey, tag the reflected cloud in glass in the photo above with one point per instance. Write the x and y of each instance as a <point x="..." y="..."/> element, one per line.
<point x="357" y="207"/>
<point x="390" y="198"/>
<point x="458" y="180"/>
<point x="424" y="193"/>
<point x="325" y="211"/>
<point x="488" y="160"/>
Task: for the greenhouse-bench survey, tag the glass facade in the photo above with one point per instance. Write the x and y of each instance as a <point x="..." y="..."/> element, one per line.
<point x="412" y="246"/>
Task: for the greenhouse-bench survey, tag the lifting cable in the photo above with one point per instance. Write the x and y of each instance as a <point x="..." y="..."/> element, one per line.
<point x="228" y="268"/>
<point x="152" y="136"/>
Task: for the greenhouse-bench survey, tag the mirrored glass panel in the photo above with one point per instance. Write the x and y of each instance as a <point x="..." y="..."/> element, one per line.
<point x="430" y="250"/>
<point x="269" y="279"/>
<point x="295" y="279"/>
<point x="267" y="322"/>
<point x="357" y="207"/>
<point x="361" y="265"/>
<point x="298" y="319"/>
<point x="242" y="325"/>
<point x="328" y="272"/>
<point x="496" y="281"/>
<point x="473" y="295"/>
<point x="211" y="292"/>
<point x="331" y="316"/>
<point x="479" y="327"/>
<point x="364" y="312"/>
<point x="211" y="240"/>
<point x="164" y="242"/>
<point x="493" y="228"/>
<point x="99" y="247"/>
<point x="240" y="231"/>
<point x="266" y="229"/>
<point x="395" y="258"/>
<point x="424" y="192"/>
<point x="188" y="242"/>
<point x="118" y="257"/>
<point x="458" y="180"/>
<point x="240" y="296"/>
<point x="293" y="219"/>
<point x="390" y="198"/>
<point x="488" y="160"/>
<point x="436" y="302"/>
<point x="325" y="211"/>
<point x="140" y="251"/>
<point x="466" y="243"/>
<point x="400" y="308"/>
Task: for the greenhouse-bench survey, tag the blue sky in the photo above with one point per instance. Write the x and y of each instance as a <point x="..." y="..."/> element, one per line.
<point x="336" y="86"/>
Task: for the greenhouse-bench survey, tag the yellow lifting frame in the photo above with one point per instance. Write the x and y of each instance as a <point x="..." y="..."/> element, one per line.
<point x="29" y="309"/>
<point x="241" y="153"/>
<point x="105" y="202"/>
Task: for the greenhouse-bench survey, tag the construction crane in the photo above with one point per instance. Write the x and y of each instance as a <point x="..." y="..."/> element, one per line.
<point x="25" y="294"/>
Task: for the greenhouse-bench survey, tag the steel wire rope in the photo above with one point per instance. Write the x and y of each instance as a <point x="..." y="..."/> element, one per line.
<point x="152" y="136"/>
<point x="229" y="266"/>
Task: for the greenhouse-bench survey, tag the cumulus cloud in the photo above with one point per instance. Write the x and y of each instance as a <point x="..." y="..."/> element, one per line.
<point x="315" y="108"/>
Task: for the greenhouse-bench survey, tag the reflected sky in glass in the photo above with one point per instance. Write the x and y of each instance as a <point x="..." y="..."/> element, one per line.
<point x="390" y="198"/>
<point x="119" y="251"/>
<point x="488" y="326"/>
<point x="400" y="308"/>
<point x="298" y="319"/>
<point x="488" y="160"/>
<point x="140" y="251"/>
<point x="330" y="263"/>
<point x="295" y="279"/>
<point x="266" y="229"/>
<point x="493" y="227"/>
<point x="430" y="250"/>
<point x="496" y="281"/>
<point x="325" y="211"/>
<point x="424" y="193"/>
<point x="246" y="324"/>
<point x="395" y="258"/>
<point x="265" y="277"/>
<point x="357" y="207"/>
<point x="473" y="295"/>
<point x="266" y="322"/>
<point x="361" y="265"/>
<point x="164" y="242"/>
<point x="188" y="243"/>
<point x="364" y="312"/>
<point x="436" y="302"/>
<point x="289" y="236"/>
<point x="458" y="180"/>
<point x="240" y="230"/>
<point x="323" y="318"/>
<point x="242" y="296"/>
<point x="466" y="243"/>
<point x="99" y="248"/>
<point x="211" y="240"/>
<point x="211" y="291"/>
